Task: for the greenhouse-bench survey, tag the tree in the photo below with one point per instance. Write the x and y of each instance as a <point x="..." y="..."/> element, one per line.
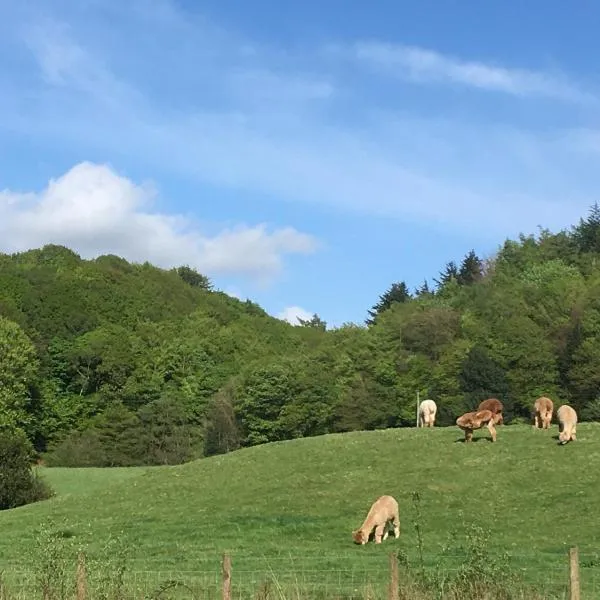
<point x="18" y="370"/>
<point x="265" y="392"/>
<point x="470" y="269"/>
<point x="18" y="484"/>
<point x="315" y="321"/>
<point x="450" y="273"/>
<point x="193" y="278"/>
<point x="481" y="377"/>
<point x="398" y="292"/>
<point x="221" y="432"/>
<point x="428" y="331"/>
<point x="423" y="290"/>
<point x="587" y="233"/>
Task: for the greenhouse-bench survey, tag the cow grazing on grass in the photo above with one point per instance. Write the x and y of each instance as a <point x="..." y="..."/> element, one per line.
<point x="542" y="410"/>
<point x="495" y="407"/>
<point x="427" y="410"/>
<point x="476" y="420"/>
<point x="382" y="514"/>
<point x="567" y="423"/>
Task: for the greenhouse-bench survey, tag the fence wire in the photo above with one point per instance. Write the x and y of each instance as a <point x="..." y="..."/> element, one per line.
<point x="289" y="577"/>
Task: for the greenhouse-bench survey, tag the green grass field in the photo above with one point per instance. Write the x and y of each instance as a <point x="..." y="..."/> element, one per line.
<point x="289" y="508"/>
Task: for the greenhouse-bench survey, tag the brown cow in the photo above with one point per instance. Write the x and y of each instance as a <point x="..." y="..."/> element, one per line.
<point x="476" y="420"/>
<point x="542" y="410"/>
<point x="567" y="423"/>
<point x="495" y="406"/>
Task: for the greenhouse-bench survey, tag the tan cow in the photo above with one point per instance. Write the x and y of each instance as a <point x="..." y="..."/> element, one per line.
<point x="427" y="411"/>
<point x="567" y="423"/>
<point x="542" y="410"/>
<point x="476" y="420"/>
<point x="382" y="514"/>
<point x="495" y="406"/>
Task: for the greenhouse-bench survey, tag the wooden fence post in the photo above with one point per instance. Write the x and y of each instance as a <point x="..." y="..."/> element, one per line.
<point x="393" y="592"/>
<point x="81" y="577"/>
<point x="574" y="589"/>
<point x="226" y="577"/>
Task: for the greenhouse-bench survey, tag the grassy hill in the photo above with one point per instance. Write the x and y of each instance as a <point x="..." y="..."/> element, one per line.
<point x="289" y="507"/>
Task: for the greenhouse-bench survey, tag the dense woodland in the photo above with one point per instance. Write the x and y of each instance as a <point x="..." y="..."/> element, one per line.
<point x="104" y="362"/>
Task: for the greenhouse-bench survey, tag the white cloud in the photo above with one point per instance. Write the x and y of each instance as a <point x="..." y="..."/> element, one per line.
<point x="93" y="210"/>
<point x="422" y="65"/>
<point x="291" y="314"/>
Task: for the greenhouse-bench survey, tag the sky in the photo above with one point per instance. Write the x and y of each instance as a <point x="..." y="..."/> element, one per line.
<point x="305" y="155"/>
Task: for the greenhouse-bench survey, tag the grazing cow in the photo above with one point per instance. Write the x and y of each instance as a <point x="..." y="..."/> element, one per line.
<point x="542" y="410"/>
<point x="383" y="512"/>
<point x="427" y="410"/>
<point x="495" y="406"/>
<point x="567" y="424"/>
<point x="476" y="420"/>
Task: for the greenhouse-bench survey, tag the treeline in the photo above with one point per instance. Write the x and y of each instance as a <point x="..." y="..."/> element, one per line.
<point x="104" y="362"/>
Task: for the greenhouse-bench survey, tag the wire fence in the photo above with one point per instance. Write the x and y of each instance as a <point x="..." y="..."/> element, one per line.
<point x="376" y="576"/>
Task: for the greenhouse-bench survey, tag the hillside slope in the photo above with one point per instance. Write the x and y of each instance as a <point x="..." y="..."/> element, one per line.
<point x="301" y="499"/>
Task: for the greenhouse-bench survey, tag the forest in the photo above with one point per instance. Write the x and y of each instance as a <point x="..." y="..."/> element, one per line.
<point x="109" y="363"/>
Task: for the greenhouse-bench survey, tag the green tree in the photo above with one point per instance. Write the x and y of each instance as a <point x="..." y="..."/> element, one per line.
<point x="481" y="377"/>
<point x="450" y="273"/>
<point x="18" y="484"/>
<point x="429" y="330"/>
<point x="397" y="293"/>
<point x="265" y="392"/>
<point x="587" y="233"/>
<point x="423" y="290"/>
<point x="193" y="278"/>
<point x="315" y="321"/>
<point x="471" y="269"/>
<point x="18" y="372"/>
<point x="221" y="430"/>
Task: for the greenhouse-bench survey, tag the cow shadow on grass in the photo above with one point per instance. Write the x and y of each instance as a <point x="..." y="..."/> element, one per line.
<point x="473" y="441"/>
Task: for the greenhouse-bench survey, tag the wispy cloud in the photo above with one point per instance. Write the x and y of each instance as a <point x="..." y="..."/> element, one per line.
<point x="427" y="66"/>
<point x="224" y="111"/>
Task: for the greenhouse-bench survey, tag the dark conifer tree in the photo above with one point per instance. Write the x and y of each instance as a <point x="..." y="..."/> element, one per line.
<point x="470" y="269"/>
<point x="449" y="273"/>
<point x="398" y="292"/>
<point x="423" y="290"/>
<point x="587" y="233"/>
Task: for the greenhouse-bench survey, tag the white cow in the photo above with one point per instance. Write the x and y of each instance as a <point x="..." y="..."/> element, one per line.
<point x="427" y="410"/>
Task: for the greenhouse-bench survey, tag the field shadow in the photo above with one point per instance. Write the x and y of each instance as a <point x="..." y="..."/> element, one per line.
<point x="473" y="441"/>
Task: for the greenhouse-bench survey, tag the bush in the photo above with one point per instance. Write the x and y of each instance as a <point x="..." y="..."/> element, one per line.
<point x="19" y="485"/>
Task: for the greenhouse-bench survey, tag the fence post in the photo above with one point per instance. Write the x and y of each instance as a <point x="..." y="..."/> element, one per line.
<point x="393" y="592"/>
<point x="574" y="590"/>
<point x="226" y="577"/>
<point x="81" y="577"/>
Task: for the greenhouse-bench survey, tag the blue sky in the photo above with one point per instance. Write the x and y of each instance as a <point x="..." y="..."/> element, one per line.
<point x="305" y="155"/>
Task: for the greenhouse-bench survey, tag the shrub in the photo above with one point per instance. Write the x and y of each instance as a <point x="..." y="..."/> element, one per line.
<point x="18" y="483"/>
